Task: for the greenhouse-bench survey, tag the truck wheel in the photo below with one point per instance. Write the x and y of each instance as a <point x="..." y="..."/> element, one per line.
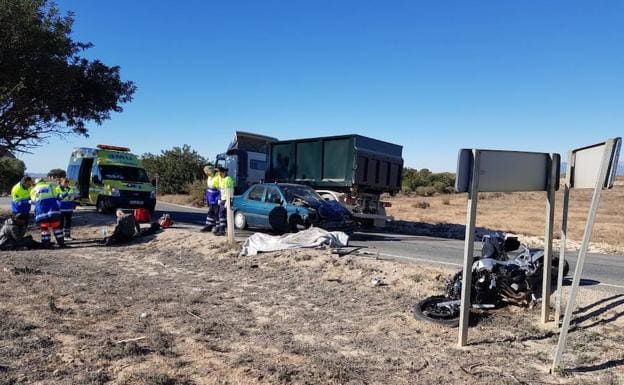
<point x="240" y="221"/>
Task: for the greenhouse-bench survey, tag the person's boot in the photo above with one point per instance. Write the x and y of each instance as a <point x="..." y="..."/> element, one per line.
<point x="67" y="235"/>
<point x="206" y="229"/>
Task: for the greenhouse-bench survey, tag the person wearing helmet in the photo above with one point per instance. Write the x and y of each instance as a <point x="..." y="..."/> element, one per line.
<point x="226" y="183"/>
<point x="212" y="199"/>
<point x="47" y="212"/>
<point x="20" y="196"/>
<point x="66" y="196"/>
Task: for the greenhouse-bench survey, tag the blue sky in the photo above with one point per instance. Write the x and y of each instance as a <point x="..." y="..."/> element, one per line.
<point x="433" y="76"/>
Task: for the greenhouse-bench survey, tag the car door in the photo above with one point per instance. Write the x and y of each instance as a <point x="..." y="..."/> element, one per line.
<point x="253" y="205"/>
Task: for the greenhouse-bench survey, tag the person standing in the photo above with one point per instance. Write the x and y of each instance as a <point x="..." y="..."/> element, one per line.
<point x="67" y="196"/>
<point x="212" y="199"/>
<point x="20" y="196"/>
<point x="47" y="212"/>
<point x="226" y="183"/>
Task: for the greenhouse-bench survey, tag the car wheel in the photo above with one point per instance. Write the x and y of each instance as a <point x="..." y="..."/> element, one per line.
<point x="240" y="221"/>
<point x="295" y="223"/>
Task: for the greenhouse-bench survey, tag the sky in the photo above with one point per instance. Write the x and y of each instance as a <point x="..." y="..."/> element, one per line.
<point x="432" y="76"/>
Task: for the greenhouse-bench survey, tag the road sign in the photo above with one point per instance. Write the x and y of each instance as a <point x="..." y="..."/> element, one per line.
<point x="588" y="167"/>
<point x="504" y="171"/>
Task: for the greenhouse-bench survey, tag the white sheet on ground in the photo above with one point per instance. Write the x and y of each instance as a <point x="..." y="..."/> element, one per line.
<point x="309" y="238"/>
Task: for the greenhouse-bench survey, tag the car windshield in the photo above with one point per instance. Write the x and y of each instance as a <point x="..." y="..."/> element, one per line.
<point x="124" y="173"/>
<point x="302" y="192"/>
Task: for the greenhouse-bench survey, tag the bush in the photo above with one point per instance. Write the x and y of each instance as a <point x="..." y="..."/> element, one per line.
<point x="11" y="171"/>
<point x="425" y="191"/>
<point x="57" y="173"/>
<point x="196" y="191"/>
<point x="442" y="183"/>
<point x="446" y="201"/>
<point x="421" y="205"/>
<point x="177" y="168"/>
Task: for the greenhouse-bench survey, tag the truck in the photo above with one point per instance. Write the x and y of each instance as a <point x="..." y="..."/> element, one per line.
<point x="110" y="177"/>
<point x="246" y="159"/>
<point x="351" y="169"/>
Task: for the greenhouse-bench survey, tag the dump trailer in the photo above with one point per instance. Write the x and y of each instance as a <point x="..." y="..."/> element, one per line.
<point x="246" y="159"/>
<point x="352" y="169"/>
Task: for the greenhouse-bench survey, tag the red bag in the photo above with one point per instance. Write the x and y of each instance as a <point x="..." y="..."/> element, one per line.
<point x="142" y="215"/>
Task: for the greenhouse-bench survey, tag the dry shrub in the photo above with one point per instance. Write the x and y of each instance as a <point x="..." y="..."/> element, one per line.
<point x="494" y="195"/>
<point x="446" y="201"/>
<point x="421" y="205"/>
<point x="196" y="190"/>
<point x="425" y="191"/>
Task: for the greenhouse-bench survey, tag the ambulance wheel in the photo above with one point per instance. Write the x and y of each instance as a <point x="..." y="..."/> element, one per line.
<point x="240" y="221"/>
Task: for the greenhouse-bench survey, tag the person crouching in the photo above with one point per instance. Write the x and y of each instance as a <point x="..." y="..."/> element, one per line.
<point x="47" y="212"/>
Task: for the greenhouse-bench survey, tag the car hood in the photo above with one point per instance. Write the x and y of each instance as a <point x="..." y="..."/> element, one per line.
<point x="330" y="210"/>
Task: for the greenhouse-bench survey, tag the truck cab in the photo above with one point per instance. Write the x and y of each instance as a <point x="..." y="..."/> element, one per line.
<point x="246" y="159"/>
<point x="110" y="177"/>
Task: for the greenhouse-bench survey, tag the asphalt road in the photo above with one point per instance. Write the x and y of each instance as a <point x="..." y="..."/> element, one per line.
<point x="600" y="270"/>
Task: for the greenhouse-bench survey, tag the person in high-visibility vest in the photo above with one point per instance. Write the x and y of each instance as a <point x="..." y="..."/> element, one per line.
<point x="66" y="196"/>
<point x="20" y="196"/>
<point x="47" y="212"/>
<point x="212" y="199"/>
<point x="225" y="185"/>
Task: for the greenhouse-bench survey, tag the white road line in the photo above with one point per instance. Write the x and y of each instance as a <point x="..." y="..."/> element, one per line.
<point x="183" y="206"/>
<point x="372" y="253"/>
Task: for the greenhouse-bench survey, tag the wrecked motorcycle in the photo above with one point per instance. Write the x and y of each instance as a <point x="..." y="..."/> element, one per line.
<point x="505" y="272"/>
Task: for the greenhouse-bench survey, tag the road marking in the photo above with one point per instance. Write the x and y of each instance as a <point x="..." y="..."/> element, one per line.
<point x="372" y="253"/>
<point x="182" y="206"/>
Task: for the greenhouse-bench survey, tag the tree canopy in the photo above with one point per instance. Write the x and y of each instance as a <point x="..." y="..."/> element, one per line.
<point x="57" y="173"/>
<point x="46" y="87"/>
<point x="177" y="168"/>
<point x="11" y="171"/>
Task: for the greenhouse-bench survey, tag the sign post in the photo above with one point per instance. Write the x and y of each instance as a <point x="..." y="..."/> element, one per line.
<point x="563" y="238"/>
<point x="553" y="181"/>
<point x="594" y="166"/>
<point x="230" y="216"/>
<point x="502" y="171"/>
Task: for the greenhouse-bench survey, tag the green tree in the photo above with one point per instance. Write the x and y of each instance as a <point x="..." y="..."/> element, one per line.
<point x="11" y="171"/>
<point x="177" y="168"/>
<point x="57" y="173"/>
<point x="46" y="87"/>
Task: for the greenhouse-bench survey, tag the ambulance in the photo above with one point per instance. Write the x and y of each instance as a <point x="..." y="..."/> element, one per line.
<point x="110" y="177"/>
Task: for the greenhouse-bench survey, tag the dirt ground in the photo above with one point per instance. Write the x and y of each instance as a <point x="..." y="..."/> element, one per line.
<point x="183" y="308"/>
<point x="519" y="213"/>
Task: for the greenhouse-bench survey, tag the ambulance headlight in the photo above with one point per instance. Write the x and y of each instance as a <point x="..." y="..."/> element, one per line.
<point x="153" y="194"/>
<point x="115" y="192"/>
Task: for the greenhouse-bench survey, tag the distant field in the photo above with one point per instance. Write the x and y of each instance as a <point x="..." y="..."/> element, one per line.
<point x="523" y="213"/>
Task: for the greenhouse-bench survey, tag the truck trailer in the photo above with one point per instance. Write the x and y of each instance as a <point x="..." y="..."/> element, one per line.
<point x="352" y="169"/>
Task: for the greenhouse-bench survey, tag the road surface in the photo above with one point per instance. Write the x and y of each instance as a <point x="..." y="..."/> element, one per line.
<point x="600" y="270"/>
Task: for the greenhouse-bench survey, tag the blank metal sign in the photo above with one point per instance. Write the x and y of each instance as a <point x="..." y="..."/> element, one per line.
<point x="505" y="171"/>
<point x="587" y="161"/>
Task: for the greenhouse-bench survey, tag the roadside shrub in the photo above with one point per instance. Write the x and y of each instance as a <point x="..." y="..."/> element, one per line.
<point x="442" y="183"/>
<point x="425" y="191"/>
<point x="196" y="191"/>
<point x="56" y="173"/>
<point x="421" y="205"/>
<point x="177" y="168"/>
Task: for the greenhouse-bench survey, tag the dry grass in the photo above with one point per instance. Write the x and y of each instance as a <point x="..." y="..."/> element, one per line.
<point x="523" y="213"/>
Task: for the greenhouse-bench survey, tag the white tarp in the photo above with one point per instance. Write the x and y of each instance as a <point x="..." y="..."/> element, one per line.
<point x="310" y="238"/>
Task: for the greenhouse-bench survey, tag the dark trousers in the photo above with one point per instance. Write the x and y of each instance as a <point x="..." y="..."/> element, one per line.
<point x="222" y="221"/>
<point x="66" y="222"/>
<point x="213" y="213"/>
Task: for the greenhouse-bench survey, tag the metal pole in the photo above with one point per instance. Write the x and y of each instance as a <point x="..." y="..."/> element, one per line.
<point x="230" y="218"/>
<point x="582" y="254"/>
<point x="473" y="199"/>
<point x="548" y="238"/>
<point x="563" y="239"/>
